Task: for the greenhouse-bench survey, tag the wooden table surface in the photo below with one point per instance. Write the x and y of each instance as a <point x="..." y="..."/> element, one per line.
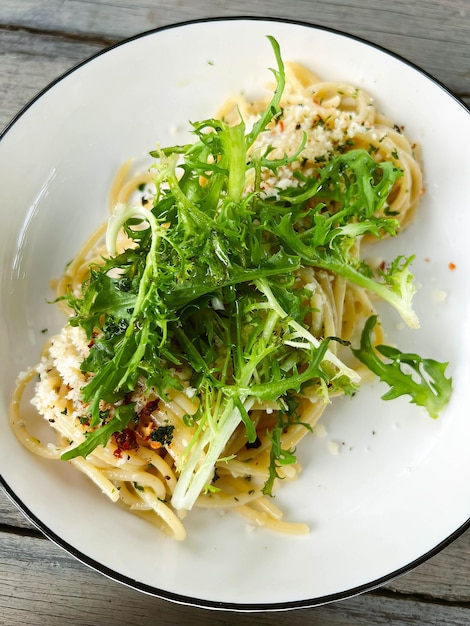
<point x="39" y="40"/>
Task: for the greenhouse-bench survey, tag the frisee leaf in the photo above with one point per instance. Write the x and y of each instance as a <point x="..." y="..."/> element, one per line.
<point x="425" y="381"/>
<point x="360" y="187"/>
<point x="208" y="287"/>
<point x="278" y="455"/>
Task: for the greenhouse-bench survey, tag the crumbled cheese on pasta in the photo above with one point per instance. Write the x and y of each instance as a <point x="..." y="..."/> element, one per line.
<point x="327" y="128"/>
<point x="67" y="351"/>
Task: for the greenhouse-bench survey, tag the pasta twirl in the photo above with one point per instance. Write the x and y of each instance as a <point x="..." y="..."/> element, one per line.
<point x="165" y="437"/>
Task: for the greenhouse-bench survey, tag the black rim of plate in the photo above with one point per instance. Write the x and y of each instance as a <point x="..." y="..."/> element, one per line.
<point x="148" y="589"/>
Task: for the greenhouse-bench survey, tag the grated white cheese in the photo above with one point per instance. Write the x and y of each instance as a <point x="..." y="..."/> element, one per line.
<point x="333" y="447"/>
<point x="325" y="127"/>
<point x="319" y="430"/>
<point x="66" y="352"/>
<point x="439" y="296"/>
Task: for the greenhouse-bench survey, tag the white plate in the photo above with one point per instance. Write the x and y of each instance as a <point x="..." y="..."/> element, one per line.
<point x="398" y="490"/>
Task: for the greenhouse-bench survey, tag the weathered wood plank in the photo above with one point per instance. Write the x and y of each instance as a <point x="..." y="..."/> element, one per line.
<point x="11" y="516"/>
<point x="444" y="576"/>
<point x="434" y="35"/>
<point x="39" y="583"/>
<point x="30" y="61"/>
<point x="437" y="20"/>
<point x="42" y="584"/>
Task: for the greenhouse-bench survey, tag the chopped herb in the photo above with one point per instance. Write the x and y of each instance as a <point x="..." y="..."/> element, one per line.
<point x="163" y="434"/>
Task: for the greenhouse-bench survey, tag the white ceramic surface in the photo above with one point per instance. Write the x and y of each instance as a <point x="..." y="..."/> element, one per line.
<point x="398" y="489"/>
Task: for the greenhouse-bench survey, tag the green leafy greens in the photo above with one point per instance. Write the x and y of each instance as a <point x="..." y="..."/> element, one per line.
<point x="425" y="381"/>
<point x="208" y="284"/>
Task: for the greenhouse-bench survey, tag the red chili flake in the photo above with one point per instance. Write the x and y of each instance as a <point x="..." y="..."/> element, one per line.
<point x="125" y="440"/>
<point x="281" y="126"/>
<point x="452" y="266"/>
<point x="148" y="409"/>
<point x="94" y="336"/>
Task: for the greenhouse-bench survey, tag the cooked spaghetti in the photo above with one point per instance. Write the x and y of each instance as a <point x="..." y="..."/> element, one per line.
<point x="209" y="399"/>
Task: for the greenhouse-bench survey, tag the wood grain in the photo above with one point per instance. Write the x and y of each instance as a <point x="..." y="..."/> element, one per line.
<point x="29" y="62"/>
<point x="443" y="579"/>
<point x="39" y="41"/>
<point x="39" y="582"/>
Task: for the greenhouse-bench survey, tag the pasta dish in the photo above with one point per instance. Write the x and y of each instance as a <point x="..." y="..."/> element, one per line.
<point x="227" y="300"/>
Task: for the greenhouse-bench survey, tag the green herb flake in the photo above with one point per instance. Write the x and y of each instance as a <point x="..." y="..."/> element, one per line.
<point x="163" y="434"/>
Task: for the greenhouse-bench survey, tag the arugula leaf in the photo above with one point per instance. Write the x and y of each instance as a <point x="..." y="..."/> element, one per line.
<point x="425" y="383"/>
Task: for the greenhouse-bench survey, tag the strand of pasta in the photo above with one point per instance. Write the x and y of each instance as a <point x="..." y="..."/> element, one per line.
<point x="18" y="425"/>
